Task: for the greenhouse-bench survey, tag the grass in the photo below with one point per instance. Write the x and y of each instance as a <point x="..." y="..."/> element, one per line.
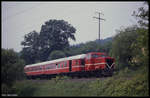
<point x="123" y="83"/>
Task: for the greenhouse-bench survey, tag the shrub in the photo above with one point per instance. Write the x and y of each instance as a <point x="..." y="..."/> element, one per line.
<point x="25" y="88"/>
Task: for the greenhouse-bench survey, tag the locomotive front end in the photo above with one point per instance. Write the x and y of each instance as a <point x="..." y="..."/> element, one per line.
<point x="103" y="62"/>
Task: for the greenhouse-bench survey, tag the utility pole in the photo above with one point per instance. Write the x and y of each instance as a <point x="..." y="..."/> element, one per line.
<point x="99" y="22"/>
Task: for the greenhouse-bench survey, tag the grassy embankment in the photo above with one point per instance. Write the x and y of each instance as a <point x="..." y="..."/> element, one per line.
<point x="123" y="83"/>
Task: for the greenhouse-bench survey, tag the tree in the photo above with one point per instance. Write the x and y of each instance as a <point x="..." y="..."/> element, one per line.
<point x="142" y="41"/>
<point x="121" y="46"/>
<point x="12" y="67"/>
<point x="142" y="16"/>
<point x="107" y="47"/>
<point x="56" y="54"/>
<point x="54" y="35"/>
<point x="31" y="50"/>
<point x="130" y="45"/>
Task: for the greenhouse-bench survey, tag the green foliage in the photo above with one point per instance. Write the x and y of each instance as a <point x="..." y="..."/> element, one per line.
<point x="143" y="15"/>
<point x="30" y="52"/>
<point x="11" y="66"/>
<point x="130" y="45"/>
<point x="5" y="89"/>
<point x="138" y="86"/>
<point x="91" y="46"/>
<point x="106" y="47"/>
<point x="129" y="48"/>
<point x="142" y="41"/>
<point x="121" y="46"/>
<point x="56" y="54"/>
<point x="25" y="88"/>
<point x="126" y="82"/>
<point x="54" y="35"/>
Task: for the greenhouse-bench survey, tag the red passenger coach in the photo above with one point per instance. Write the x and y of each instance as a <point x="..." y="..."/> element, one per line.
<point x="94" y="63"/>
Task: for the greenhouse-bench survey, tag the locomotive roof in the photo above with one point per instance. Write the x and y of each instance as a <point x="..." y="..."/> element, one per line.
<point x="58" y="60"/>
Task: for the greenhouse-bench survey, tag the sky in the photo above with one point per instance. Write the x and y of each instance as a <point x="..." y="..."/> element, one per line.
<point x="20" y="18"/>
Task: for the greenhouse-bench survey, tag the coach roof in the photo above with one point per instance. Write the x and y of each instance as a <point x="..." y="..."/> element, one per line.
<point x="58" y="60"/>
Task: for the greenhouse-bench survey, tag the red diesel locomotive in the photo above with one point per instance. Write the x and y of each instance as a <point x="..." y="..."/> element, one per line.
<point x="93" y="63"/>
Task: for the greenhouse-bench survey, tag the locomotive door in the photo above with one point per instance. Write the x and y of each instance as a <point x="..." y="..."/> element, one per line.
<point x="70" y="65"/>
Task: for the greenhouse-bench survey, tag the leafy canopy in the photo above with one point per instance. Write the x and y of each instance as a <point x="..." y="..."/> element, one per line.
<point x="54" y="35"/>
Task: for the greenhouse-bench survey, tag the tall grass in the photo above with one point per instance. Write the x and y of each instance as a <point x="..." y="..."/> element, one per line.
<point x="126" y="82"/>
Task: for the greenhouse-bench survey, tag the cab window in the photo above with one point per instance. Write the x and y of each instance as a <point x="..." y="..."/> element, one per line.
<point x="103" y="55"/>
<point x="98" y="55"/>
<point x="95" y="56"/>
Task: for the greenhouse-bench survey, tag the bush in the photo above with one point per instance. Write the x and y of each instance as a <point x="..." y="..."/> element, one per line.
<point x="56" y="54"/>
<point x="126" y="82"/>
<point x="12" y="67"/>
<point x="25" y="88"/>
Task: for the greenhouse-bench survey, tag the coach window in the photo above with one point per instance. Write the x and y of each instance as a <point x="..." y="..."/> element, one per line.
<point x="61" y="65"/>
<point x="77" y="62"/>
<point x="48" y="67"/>
<point x="40" y="67"/>
<point x="65" y="64"/>
<point x="56" y="65"/>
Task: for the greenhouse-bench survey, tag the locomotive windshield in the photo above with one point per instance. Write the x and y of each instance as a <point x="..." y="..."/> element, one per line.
<point x="98" y="55"/>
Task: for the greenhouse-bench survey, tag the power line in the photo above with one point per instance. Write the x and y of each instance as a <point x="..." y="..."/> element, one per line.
<point x="23" y="11"/>
<point x="99" y="22"/>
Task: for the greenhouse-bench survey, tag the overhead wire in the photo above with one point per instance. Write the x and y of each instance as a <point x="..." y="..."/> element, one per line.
<point x="21" y="12"/>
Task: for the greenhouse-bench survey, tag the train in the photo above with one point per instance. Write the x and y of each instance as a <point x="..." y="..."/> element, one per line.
<point x="89" y="64"/>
